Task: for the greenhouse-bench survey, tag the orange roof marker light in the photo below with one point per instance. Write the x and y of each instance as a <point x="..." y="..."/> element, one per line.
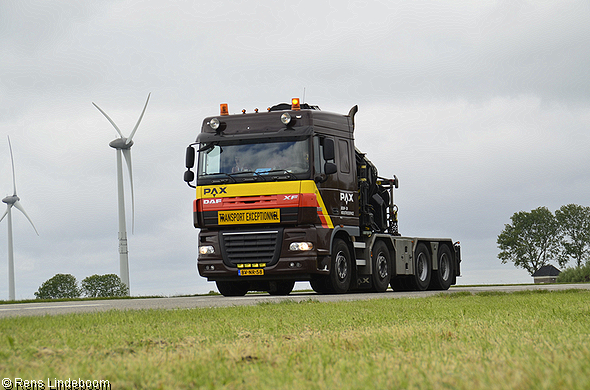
<point x="223" y="110"/>
<point x="295" y="104"/>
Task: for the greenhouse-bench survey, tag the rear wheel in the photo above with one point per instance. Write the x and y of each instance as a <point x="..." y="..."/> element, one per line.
<point x="232" y="289"/>
<point x="341" y="268"/>
<point x="422" y="269"/>
<point x="400" y="283"/>
<point x="381" y="267"/>
<point x="443" y="277"/>
<point x="283" y="287"/>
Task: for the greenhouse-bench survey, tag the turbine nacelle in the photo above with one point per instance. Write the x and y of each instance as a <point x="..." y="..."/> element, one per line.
<point x="121" y="143"/>
<point x="12" y="199"/>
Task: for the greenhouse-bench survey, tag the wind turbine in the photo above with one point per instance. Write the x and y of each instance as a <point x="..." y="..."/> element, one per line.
<point x="123" y="146"/>
<point x="12" y="200"/>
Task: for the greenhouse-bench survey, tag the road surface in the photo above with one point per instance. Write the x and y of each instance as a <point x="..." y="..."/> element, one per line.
<point x="88" y="306"/>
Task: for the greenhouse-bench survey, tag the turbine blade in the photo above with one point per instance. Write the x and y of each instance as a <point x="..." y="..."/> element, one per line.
<point x="6" y="212"/>
<point x="127" y="154"/>
<point x="20" y="207"/>
<point x="139" y="120"/>
<point x="12" y="160"/>
<point x="110" y="120"/>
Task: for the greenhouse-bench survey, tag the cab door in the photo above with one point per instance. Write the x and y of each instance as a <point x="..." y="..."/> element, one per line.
<point x="348" y="209"/>
<point x="337" y="188"/>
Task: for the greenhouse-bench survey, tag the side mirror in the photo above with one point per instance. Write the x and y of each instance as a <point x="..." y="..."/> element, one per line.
<point x="322" y="177"/>
<point x="330" y="168"/>
<point x="329" y="149"/>
<point x="190" y="157"/>
<point x="189" y="176"/>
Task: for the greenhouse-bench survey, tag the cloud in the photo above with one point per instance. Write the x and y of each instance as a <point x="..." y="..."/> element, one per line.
<point x="480" y="109"/>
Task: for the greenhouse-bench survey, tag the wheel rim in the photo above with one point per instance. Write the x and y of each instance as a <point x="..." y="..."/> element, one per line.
<point x="444" y="267"/>
<point x="382" y="266"/>
<point x="421" y="267"/>
<point x="341" y="266"/>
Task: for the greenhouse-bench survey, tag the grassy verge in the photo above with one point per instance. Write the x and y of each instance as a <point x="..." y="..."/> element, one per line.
<point x="529" y="340"/>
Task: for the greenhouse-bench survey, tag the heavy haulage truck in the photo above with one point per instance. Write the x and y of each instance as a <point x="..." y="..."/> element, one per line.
<point x="284" y="196"/>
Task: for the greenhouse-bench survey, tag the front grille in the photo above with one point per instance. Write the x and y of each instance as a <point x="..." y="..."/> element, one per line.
<point x="251" y="247"/>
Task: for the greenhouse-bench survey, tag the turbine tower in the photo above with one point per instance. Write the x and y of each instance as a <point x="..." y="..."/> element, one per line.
<point x="12" y="200"/>
<point x="123" y="146"/>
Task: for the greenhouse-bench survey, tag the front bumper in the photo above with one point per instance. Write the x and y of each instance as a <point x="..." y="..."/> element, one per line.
<point x="284" y="264"/>
<point x="289" y="268"/>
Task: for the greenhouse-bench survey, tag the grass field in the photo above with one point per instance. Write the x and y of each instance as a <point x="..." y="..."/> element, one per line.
<point x="532" y="340"/>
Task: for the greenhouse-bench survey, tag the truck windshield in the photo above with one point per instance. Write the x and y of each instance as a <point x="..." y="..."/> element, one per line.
<point x="254" y="159"/>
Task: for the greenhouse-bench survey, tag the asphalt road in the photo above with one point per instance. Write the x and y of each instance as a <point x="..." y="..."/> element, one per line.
<point x="56" y="308"/>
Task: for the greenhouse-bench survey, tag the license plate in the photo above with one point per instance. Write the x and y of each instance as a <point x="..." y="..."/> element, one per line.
<point x="250" y="272"/>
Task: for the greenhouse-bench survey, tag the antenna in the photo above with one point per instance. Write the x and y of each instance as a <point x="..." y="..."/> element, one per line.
<point x="303" y="100"/>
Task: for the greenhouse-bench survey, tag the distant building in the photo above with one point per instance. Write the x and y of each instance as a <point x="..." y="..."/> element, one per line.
<point x="546" y="274"/>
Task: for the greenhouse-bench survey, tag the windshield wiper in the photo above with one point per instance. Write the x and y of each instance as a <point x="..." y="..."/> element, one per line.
<point x="206" y="148"/>
<point x="289" y="174"/>
<point x="242" y="172"/>
<point x="221" y="173"/>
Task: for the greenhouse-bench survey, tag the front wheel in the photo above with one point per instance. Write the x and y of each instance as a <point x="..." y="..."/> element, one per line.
<point x="232" y="289"/>
<point x="340" y="267"/>
<point x="319" y="284"/>
<point x="281" y="288"/>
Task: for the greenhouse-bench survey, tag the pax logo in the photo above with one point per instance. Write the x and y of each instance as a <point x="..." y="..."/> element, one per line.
<point x="211" y="201"/>
<point x="215" y="191"/>
<point x="291" y="197"/>
<point x="346" y="197"/>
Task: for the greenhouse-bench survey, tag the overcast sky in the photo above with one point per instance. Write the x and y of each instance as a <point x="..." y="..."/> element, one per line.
<point x="480" y="108"/>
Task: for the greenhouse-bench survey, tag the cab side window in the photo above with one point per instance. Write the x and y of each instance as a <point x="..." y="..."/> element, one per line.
<point x="344" y="161"/>
<point x="319" y="162"/>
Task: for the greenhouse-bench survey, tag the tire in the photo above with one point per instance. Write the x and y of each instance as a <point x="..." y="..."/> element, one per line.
<point x="381" y="261"/>
<point x="319" y="284"/>
<point x="400" y="283"/>
<point x="283" y="287"/>
<point x="340" y="268"/>
<point x="232" y="289"/>
<point x="443" y="277"/>
<point x="422" y="269"/>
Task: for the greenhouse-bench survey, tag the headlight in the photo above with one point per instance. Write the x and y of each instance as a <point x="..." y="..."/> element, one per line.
<point x="206" y="249"/>
<point x="301" y="246"/>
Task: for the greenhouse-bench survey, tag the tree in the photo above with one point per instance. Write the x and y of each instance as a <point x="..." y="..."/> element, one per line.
<point x="109" y="285"/>
<point x="531" y="241"/>
<point x="574" y="223"/>
<point x="579" y="274"/>
<point x="59" y="286"/>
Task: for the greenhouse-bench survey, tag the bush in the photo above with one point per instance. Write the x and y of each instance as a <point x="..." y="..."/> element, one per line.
<point x="59" y="286"/>
<point x="575" y="275"/>
<point x="101" y="286"/>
